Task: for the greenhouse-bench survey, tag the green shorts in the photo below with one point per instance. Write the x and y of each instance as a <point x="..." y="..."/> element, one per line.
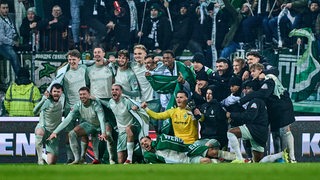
<point x="90" y="128"/>
<point x="122" y="137"/>
<point x="247" y="136"/>
<point x="51" y="146"/>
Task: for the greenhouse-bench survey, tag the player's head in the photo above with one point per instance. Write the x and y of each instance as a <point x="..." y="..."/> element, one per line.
<point x="73" y="58"/>
<point x="149" y="62"/>
<point x="98" y="55"/>
<point x="123" y="58"/>
<point x="139" y="53"/>
<point x="168" y="58"/>
<point x="56" y="91"/>
<point x="256" y="69"/>
<point x="84" y="93"/>
<point x="182" y="99"/>
<point x="145" y="143"/>
<point x="116" y="91"/>
<point x="253" y="57"/>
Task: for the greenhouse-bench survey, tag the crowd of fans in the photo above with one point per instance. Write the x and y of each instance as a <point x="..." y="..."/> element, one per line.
<point x="155" y="32"/>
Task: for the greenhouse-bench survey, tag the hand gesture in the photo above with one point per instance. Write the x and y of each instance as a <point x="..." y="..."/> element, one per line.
<point x="180" y="78"/>
<point x="144" y="105"/>
<point x="52" y="136"/>
<point x="103" y="137"/>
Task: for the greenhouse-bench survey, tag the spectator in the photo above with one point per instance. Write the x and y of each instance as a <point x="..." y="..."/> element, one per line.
<point x="54" y="31"/>
<point x="155" y="34"/>
<point x="22" y="95"/>
<point x="29" y="30"/>
<point x="181" y="30"/>
<point x="75" y="6"/>
<point x="9" y="37"/>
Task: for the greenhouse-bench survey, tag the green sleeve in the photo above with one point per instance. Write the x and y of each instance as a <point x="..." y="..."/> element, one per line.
<point x="36" y="110"/>
<point x="73" y="113"/>
<point x="101" y="118"/>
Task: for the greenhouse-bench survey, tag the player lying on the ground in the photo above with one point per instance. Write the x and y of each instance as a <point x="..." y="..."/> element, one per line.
<point x="171" y="149"/>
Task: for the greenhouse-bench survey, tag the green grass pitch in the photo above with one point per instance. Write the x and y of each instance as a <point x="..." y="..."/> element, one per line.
<point x="301" y="171"/>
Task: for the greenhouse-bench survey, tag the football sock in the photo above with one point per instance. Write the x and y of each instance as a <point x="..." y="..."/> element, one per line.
<point x="39" y="147"/>
<point x="288" y="139"/>
<point x="110" y="147"/>
<point x="69" y="152"/>
<point x="95" y="146"/>
<point x="233" y="140"/>
<point x="84" y="147"/>
<point x="276" y="142"/>
<point x="74" y="145"/>
<point x="45" y="157"/>
<point x="226" y="155"/>
<point x="130" y="146"/>
<point x="271" y="158"/>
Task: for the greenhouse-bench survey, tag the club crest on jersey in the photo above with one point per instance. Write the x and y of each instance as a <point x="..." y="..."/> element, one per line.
<point x="185" y="116"/>
<point x="264" y="86"/>
<point x="254" y="105"/>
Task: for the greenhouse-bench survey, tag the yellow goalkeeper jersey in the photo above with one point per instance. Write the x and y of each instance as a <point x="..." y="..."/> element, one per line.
<point x="183" y="123"/>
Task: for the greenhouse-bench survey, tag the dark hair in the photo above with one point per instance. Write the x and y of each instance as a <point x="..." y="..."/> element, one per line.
<point x="57" y="86"/>
<point x="74" y="52"/>
<point x="224" y="60"/>
<point x="183" y="92"/>
<point x="168" y="52"/>
<point x="117" y="85"/>
<point x="255" y="54"/>
<point x="84" y="88"/>
<point x="149" y="56"/>
<point x="148" y="137"/>
<point x="100" y="47"/>
<point x="124" y="52"/>
<point x="4" y="2"/>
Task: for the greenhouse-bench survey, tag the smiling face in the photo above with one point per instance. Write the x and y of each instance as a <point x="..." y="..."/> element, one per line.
<point x="146" y="143"/>
<point x="98" y="55"/>
<point x="139" y="55"/>
<point x="73" y="61"/>
<point x="209" y="95"/>
<point x="122" y="61"/>
<point x="252" y="59"/>
<point x="168" y="60"/>
<point x="84" y="97"/>
<point x="150" y="64"/>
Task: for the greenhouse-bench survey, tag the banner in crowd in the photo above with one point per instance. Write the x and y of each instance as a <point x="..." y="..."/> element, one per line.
<point x="17" y="140"/>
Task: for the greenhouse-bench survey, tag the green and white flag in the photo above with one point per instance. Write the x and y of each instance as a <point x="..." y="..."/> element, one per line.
<point x="308" y="67"/>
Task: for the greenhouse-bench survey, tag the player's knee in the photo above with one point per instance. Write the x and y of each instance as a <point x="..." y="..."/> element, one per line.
<point x="284" y="130"/>
<point x="72" y="133"/>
